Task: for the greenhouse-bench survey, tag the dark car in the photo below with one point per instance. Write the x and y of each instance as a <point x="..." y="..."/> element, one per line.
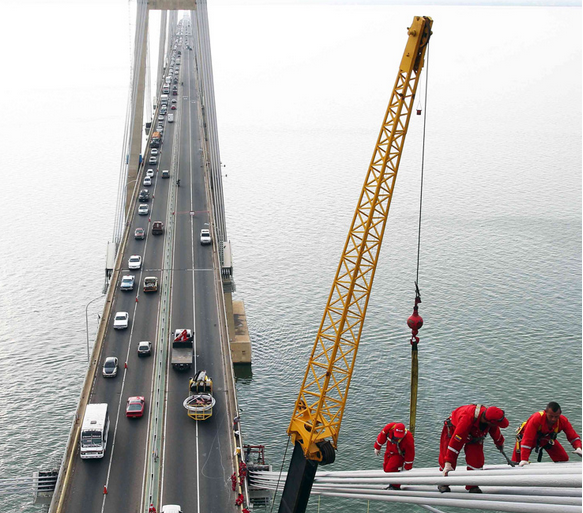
<point x="144" y="195"/>
<point x="157" y="228"/>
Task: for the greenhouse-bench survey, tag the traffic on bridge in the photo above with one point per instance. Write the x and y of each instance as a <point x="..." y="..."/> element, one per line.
<point x="140" y="444"/>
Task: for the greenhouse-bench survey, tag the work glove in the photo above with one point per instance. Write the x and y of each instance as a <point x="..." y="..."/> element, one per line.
<point x="447" y="468"/>
<point x="377" y="452"/>
<point x="523" y="463"/>
<point x="578" y="451"/>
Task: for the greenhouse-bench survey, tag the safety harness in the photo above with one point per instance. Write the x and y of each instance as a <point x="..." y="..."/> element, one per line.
<point x="397" y="442"/>
<point x="473" y="439"/>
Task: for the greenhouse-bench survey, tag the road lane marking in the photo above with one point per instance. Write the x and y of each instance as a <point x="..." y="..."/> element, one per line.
<point x="190" y="170"/>
<point x="139" y="280"/>
<point x="156" y="442"/>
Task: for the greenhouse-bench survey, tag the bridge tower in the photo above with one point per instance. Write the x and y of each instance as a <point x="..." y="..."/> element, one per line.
<point x="132" y="157"/>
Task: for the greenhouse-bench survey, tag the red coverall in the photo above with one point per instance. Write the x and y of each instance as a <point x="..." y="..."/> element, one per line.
<point x="466" y="431"/>
<point x="398" y="453"/>
<point x="538" y="433"/>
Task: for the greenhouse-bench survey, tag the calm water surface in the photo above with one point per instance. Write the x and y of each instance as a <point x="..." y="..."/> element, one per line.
<point x="301" y="92"/>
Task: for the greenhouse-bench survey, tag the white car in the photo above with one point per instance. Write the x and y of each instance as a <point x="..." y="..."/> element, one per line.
<point x="127" y="282"/>
<point x="205" y="236"/>
<point x="148" y="181"/>
<point x="171" y="508"/>
<point x="135" y="262"/>
<point x="145" y="348"/>
<point x="150" y="173"/>
<point x="121" y="320"/>
<point x="143" y="209"/>
<point x="154" y="151"/>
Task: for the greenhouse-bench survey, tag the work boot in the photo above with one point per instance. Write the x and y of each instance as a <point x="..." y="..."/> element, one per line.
<point x="443" y="488"/>
<point x="474" y="489"/>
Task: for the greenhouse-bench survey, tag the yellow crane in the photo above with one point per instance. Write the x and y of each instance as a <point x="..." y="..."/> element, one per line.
<point x="319" y="408"/>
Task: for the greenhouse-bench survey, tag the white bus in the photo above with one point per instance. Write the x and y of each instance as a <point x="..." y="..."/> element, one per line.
<point x="94" y="430"/>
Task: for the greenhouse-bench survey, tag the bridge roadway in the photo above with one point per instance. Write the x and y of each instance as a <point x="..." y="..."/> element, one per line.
<point x="196" y="458"/>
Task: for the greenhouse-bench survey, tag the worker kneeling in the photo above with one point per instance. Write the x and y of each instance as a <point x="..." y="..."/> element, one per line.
<point x="400" y="451"/>
<point x="540" y="432"/>
<point x="466" y="428"/>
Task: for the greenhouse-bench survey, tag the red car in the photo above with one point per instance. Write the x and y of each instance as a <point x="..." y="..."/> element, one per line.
<point x="173" y="107"/>
<point x="135" y="406"/>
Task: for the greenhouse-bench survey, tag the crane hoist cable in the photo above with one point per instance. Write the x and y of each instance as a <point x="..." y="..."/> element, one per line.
<point x="415" y="321"/>
<point x="320" y="406"/>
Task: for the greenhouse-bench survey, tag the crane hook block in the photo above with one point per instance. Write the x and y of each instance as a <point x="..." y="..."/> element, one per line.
<point x="415" y="322"/>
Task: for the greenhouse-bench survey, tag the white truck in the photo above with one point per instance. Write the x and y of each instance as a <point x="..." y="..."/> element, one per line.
<point x="94" y="431"/>
<point x="182" y="349"/>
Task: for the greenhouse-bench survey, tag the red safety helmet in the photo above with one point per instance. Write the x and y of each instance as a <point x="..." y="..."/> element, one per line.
<point x="399" y="430"/>
<point x="495" y="415"/>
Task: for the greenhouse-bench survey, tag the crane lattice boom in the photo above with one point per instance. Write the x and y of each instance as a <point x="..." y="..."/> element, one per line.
<point x="320" y="404"/>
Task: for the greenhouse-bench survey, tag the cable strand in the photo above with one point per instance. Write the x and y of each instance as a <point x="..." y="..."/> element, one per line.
<point x="422" y="168"/>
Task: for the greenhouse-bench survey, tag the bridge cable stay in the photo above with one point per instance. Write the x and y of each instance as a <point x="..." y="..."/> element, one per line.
<point x="536" y="488"/>
<point x="118" y="224"/>
<point x="121" y="187"/>
<point x="415" y="321"/>
<point x="140" y="33"/>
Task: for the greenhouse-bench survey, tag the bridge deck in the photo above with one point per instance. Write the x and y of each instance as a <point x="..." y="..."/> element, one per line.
<point x="188" y="462"/>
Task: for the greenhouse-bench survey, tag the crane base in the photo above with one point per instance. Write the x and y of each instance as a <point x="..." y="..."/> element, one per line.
<point x="298" y="485"/>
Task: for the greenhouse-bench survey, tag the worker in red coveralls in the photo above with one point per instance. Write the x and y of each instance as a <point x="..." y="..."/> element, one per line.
<point x="400" y="451"/>
<point x="467" y="427"/>
<point x="540" y="432"/>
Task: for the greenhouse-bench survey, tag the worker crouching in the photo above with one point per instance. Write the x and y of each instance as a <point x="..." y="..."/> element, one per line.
<point x="400" y="451"/>
<point x="540" y="432"/>
<point x="466" y="428"/>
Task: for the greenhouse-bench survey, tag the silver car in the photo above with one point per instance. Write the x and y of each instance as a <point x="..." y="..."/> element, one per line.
<point x="110" y="367"/>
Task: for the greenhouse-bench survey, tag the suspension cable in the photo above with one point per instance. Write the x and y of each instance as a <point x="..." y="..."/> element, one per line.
<point x="415" y="321"/>
<point x="422" y="162"/>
